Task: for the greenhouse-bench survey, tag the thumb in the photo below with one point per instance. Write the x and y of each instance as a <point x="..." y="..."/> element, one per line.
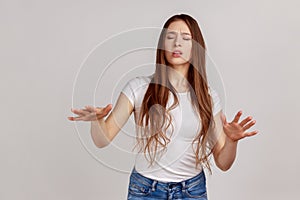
<point x="104" y="110"/>
<point x="108" y="107"/>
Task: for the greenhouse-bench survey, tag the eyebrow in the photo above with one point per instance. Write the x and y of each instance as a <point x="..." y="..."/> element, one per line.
<point x="173" y="32"/>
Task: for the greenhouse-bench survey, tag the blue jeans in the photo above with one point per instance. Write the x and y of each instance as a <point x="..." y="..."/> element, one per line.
<point x="141" y="187"/>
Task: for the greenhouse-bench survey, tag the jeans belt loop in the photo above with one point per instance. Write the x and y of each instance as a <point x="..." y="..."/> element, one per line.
<point x="153" y="185"/>
<point x="183" y="186"/>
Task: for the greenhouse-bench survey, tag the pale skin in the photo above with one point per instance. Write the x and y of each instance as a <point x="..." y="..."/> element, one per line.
<point x="104" y="131"/>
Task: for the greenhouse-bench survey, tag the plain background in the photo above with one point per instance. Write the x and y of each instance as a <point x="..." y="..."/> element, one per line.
<point x="254" y="44"/>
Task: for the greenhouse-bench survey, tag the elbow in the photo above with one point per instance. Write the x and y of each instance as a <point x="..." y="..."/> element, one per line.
<point x="101" y="142"/>
<point x="224" y="167"/>
<point x="224" y="163"/>
<point x="101" y="145"/>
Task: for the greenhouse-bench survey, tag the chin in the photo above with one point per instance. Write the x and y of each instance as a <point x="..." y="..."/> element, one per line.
<point x="182" y="62"/>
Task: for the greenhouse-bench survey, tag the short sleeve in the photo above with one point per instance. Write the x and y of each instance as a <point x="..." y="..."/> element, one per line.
<point x="217" y="107"/>
<point x="215" y="131"/>
<point x="129" y="89"/>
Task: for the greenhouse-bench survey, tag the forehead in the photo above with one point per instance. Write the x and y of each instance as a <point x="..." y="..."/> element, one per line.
<point x="179" y="26"/>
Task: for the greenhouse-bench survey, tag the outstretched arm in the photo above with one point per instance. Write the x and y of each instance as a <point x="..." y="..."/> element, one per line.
<point x="224" y="151"/>
<point x="103" y="130"/>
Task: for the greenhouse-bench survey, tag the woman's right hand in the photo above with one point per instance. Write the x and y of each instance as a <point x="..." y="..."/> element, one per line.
<point x="90" y="113"/>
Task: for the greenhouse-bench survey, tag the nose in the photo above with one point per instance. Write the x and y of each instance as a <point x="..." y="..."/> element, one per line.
<point x="177" y="44"/>
<point x="177" y="41"/>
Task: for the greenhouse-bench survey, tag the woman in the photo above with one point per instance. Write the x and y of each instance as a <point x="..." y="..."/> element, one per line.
<point x="179" y="120"/>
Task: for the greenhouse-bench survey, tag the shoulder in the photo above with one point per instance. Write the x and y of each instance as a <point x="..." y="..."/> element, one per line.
<point x="213" y="93"/>
<point x="215" y="100"/>
<point x="140" y="81"/>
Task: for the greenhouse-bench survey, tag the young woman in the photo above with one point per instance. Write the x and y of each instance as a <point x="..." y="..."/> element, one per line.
<point x="179" y="119"/>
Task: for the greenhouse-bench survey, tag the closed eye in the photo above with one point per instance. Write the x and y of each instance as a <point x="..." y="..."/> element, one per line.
<point x="183" y="38"/>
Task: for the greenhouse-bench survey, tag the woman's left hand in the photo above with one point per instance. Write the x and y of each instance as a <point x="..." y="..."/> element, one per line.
<point x="235" y="130"/>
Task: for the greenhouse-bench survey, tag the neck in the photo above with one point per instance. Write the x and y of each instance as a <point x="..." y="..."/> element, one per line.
<point x="177" y="75"/>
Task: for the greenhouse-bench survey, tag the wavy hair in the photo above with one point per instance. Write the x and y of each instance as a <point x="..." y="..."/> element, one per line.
<point x="154" y="118"/>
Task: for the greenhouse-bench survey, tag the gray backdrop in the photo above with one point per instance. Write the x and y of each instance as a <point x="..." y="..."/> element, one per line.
<point x="50" y="62"/>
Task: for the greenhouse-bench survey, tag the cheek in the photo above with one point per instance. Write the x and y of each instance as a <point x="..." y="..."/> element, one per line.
<point x="187" y="48"/>
<point x="168" y="45"/>
<point x="190" y="51"/>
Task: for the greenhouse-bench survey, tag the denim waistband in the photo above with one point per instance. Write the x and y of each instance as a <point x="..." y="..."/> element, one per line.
<point x="185" y="183"/>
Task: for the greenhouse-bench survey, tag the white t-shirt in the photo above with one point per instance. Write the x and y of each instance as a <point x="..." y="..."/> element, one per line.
<point x="177" y="163"/>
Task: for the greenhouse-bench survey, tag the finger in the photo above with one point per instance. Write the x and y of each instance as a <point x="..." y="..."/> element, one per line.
<point x="237" y="117"/>
<point x="80" y="112"/>
<point x="73" y="110"/>
<point x="90" y="108"/>
<point x="104" y="110"/>
<point x="75" y="118"/>
<point x="245" y="121"/>
<point x="108" y="108"/>
<point x="71" y="118"/>
<point x="251" y="133"/>
<point x="249" y="125"/>
<point x="84" y="111"/>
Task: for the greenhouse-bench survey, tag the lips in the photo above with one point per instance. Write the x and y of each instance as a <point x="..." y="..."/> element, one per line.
<point x="176" y="53"/>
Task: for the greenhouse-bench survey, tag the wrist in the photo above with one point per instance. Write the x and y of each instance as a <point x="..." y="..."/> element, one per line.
<point x="231" y="141"/>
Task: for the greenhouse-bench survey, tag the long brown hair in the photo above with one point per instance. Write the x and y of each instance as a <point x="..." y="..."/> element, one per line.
<point x="154" y="118"/>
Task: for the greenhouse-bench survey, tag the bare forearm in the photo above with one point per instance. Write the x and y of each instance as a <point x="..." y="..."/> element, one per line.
<point x="227" y="154"/>
<point x="99" y="133"/>
<point x="225" y="149"/>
